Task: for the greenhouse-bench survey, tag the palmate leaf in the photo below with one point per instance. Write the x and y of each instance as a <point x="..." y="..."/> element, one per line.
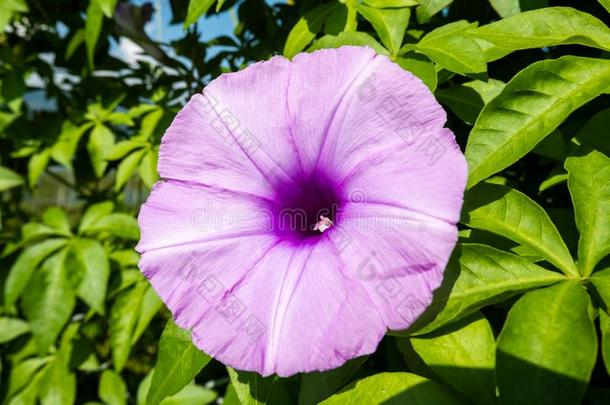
<point x="477" y="276"/>
<point x="545" y="27"/>
<point x="589" y="184"/>
<point x="547" y="347"/>
<point x="49" y="301"/>
<point x="178" y="363"/>
<point x="307" y="27"/>
<point x="394" y="388"/>
<point x="510" y="213"/>
<point x="529" y="108"/>
<point x="463" y="355"/>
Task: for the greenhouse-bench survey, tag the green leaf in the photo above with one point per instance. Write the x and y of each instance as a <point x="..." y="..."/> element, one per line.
<point x="92" y="258"/>
<point x="478" y="276"/>
<point x="467" y="100"/>
<point x="49" y="302"/>
<point x="121" y="149"/>
<point x="117" y="224"/>
<point x="93" y="27"/>
<point x="148" y="168"/>
<point x="428" y="8"/>
<point x="601" y="282"/>
<point x="77" y="40"/>
<point x="307" y="27"/>
<point x="604" y="325"/>
<point x="108" y="7"/>
<point x="10" y="328"/>
<point x="191" y="395"/>
<point x="58" y="385"/>
<point x="391" y="3"/>
<point x="589" y="184"/>
<point x="605" y="4"/>
<point x="93" y="214"/>
<point x="22" y="374"/>
<point x="178" y="362"/>
<point x="123" y="320"/>
<point x="547" y="348"/>
<point x="196" y="9"/>
<point x="390" y="24"/>
<point x="112" y="389"/>
<point x="546" y="27"/>
<point x="24" y="266"/>
<point x="127" y="168"/>
<point x="33" y="385"/>
<point x="529" y="108"/>
<point x="317" y="386"/>
<point x="36" y="165"/>
<point x="393" y="388"/>
<point x="57" y="219"/>
<point x="9" y="179"/>
<point x="556" y="177"/>
<point x="64" y="149"/>
<point x="151" y="304"/>
<point x="463" y="355"/>
<point x="511" y="214"/>
<point x="452" y="49"/>
<point x="100" y="142"/>
<point x="506" y="8"/>
<point x="421" y="67"/>
<point x="250" y="387"/>
<point x="348" y="38"/>
<point x="594" y="133"/>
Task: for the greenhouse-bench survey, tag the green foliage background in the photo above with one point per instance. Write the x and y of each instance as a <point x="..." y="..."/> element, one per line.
<point x="522" y="315"/>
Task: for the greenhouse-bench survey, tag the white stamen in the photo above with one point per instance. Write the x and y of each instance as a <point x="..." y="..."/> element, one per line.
<point x="323" y="224"/>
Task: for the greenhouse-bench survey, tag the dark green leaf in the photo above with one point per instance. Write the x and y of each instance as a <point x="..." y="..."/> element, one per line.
<point x="92" y="258"/>
<point x="93" y="27"/>
<point x="250" y="387"/>
<point x="318" y="386"/>
<point x="421" y="67"/>
<point x="467" y="100"/>
<point x="123" y="320"/>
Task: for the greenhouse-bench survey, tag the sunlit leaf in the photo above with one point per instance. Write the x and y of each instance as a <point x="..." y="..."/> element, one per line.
<point x="307" y="27"/>
<point x="547" y="348"/>
<point x="589" y="184"/>
<point x="529" y="108"/>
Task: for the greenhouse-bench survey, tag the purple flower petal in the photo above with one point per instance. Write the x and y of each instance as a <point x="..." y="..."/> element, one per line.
<point x="307" y="207"/>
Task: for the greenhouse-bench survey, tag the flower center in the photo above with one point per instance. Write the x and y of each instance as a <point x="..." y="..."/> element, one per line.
<point x="306" y="209"/>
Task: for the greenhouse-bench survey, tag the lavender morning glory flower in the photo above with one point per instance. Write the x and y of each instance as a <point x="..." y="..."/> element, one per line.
<point x="306" y="207"/>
